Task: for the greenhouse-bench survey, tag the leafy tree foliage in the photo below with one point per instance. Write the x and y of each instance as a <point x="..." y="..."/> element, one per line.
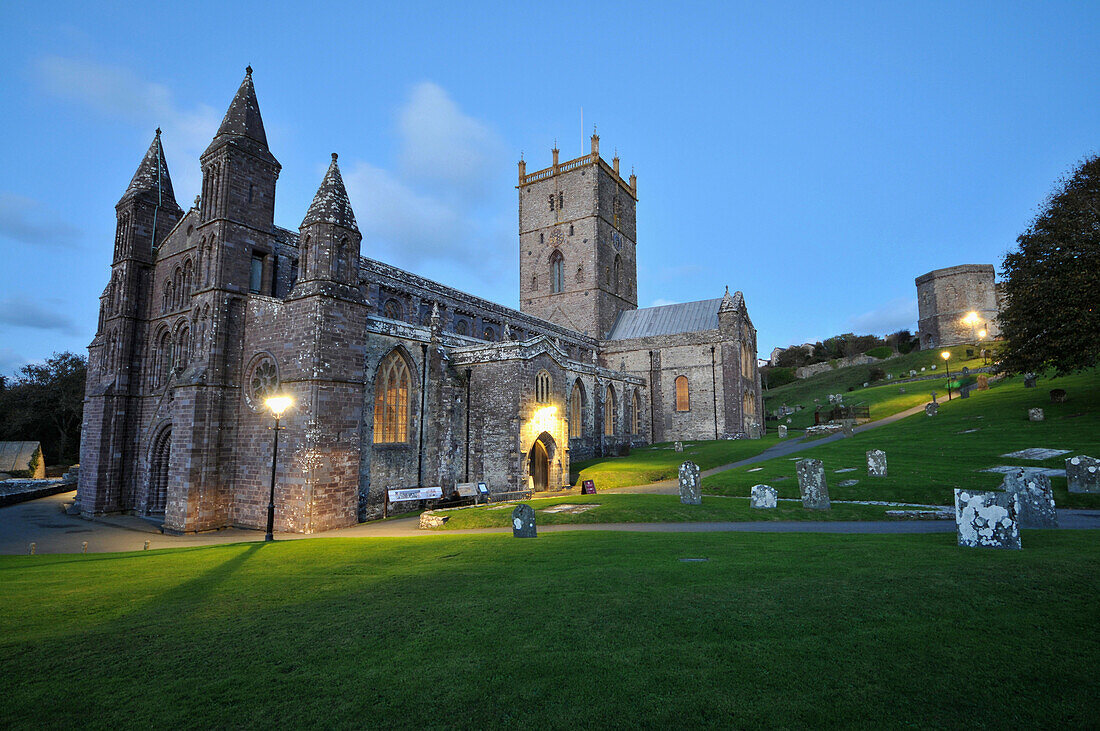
<point x="45" y="403"/>
<point x="1050" y="316"/>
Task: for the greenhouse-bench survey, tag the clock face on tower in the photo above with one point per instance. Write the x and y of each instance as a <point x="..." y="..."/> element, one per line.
<point x="557" y="238"/>
<point x="617" y="240"/>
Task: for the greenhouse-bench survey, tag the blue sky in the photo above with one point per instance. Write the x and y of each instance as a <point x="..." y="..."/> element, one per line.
<point x="817" y="157"/>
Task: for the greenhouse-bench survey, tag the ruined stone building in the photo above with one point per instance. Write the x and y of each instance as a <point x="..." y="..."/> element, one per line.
<point x="397" y="381"/>
<point x="957" y="304"/>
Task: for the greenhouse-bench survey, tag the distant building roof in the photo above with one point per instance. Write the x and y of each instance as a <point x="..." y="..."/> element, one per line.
<point x="687" y="317"/>
<point x="16" y="456"/>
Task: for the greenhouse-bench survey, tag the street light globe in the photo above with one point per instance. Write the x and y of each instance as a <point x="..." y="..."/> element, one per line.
<point x="278" y="404"/>
<point x="945" y="354"/>
<point x="982" y="334"/>
<point x="971" y="318"/>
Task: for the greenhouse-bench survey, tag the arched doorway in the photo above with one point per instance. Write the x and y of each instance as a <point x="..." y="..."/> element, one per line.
<point x="538" y="466"/>
<point x="158" y="473"/>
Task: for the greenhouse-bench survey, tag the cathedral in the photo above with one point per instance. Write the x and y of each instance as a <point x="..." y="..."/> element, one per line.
<point x="396" y="381"/>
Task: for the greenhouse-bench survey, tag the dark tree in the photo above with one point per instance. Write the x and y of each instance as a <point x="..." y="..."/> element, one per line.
<point x="45" y="402"/>
<point x="1052" y="283"/>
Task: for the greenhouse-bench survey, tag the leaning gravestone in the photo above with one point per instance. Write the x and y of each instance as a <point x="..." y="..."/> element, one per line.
<point x="690" y="490"/>
<point x="1083" y="474"/>
<point x="1034" y="414"/>
<point x="1036" y="498"/>
<point x="876" y="463"/>
<point x="811" y="483"/>
<point x="678" y="446"/>
<point x="931" y="409"/>
<point x="523" y="522"/>
<point x="986" y="519"/>
<point x="983" y="382"/>
<point x="1057" y="396"/>
<point x="763" y="497"/>
<point x="782" y="429"/>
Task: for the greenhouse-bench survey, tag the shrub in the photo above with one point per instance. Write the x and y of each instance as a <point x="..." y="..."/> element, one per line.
<point x="876" y="374"/>
<point x="882" y="351"/>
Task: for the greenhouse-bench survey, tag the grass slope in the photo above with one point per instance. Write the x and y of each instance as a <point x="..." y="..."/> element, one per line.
<point x="653" y="509"/>
<point x="929" y="457"/>
<point x="569" y="630"/>
<point x="661" y="462"/>
<point x="884" y="398"/>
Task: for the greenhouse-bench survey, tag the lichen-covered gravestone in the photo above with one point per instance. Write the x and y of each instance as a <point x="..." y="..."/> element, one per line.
<point x="523" y="522"/>
<point x="983" y="382"/>
<point x="986" y="519"/>
<point x="1034" y="414"/>
<point x="1036" y="499"/>
<point x="690" y="491"/>
<point x="811" y="483"/>
<point x="876" y="463"/>
<point x="782" y="431"/>
<point x="931" y="409"/>
<point x="678" y="446"/>
<point x="1083" y="474"/>
<point x="763" y="497"/>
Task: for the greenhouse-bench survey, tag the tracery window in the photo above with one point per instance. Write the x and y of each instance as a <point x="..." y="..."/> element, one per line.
<point x="391" y="400"/>
<point x="557" y="272"/>
<point x="682" y="401"/>
<point x="609" y="412"/>
<point x="543" y="387"/>
<point x="576" y="410"/>
<point x="263" y="383"/>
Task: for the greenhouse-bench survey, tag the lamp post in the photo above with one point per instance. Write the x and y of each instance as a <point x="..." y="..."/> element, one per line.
<point x="277" y="404"/>
<point x="946" y="355"/>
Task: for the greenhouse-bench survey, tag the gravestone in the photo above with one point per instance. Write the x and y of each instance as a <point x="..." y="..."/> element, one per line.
<point x="912" y="372"/>
<point x="1036" y="499"/>
<point x="788" y="420"/>
<point x="1029" y="380"/>
<point x="523" y="522"/>
<point x="1035" y="414"/>
<point x="876" y="463"/>
<point x="782" y="429"/>
<point x="889" y="376"/>
<point x="933" y="397"/>
<point x="901" y="389"/>
<point x="931" y="409"/>
<point x="983" y="382"/>
<point x="763" y="497"/>
<point x="690" y="491"/>
<point x="812" y="485"/>
<point x="678" y="446"/>
<point x="986" y="519"/>
<point x="1057" y="396"/>
<point x="922" y="369"/>
<point x="1083" y="474"/>
<point x="848" y="426"/>
<point x="847" y="483"/>
<point x="933" y="368"/>
<point x="966" y="370"/>
<point x="964" y="390"/>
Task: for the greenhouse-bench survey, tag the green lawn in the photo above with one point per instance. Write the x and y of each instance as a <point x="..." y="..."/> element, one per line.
<point x="570" y="630"/>
<point x="661" y="462"/>
<point x="653" y="509"/>
<point x="929" y="457"/>
<point x="884" y="398"/>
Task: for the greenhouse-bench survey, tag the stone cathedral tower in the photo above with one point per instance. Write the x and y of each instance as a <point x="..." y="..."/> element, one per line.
<point x="577" y="238"/>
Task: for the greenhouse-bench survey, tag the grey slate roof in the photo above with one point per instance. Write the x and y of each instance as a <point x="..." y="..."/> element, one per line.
<point x="149" y="177"/>
<point x="331" y="204"/>
<point x="685" y="317"/>
<point x="16" y="456"/>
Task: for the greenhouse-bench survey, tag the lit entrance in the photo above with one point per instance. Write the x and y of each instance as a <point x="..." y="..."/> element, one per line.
<point x="538" y="465"/>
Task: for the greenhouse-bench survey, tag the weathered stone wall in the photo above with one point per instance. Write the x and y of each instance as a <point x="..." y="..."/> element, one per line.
<point x="946" y="296"/>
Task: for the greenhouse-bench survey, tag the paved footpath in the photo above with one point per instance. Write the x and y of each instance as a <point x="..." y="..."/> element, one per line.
<point x="42" y="522"/>
<point x="782" y="449"/>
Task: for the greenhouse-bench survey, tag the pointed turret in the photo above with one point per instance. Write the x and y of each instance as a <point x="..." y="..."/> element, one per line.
<point x="331" y="204"/>
<point x="733" y="303"/>
<point x="242" y="123"/>
<point x="151" y="180"/>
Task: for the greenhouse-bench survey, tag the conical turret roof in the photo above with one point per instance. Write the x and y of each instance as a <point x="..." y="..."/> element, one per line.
<point x="242" y="122"/>
<point x="731" y="303"/>
<point x="151" y="179"/>
<point x="331" y="204"/>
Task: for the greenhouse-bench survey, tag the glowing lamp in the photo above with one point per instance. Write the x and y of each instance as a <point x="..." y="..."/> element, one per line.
<point x="982" y="334"/>
<point x="278" y="404"/>
<point x="971" y="319"/>
<point x="945" y="354"/>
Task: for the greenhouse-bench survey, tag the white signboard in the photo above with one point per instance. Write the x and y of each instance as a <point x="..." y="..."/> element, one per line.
<point x="466" y="489"/>
<point x="415" y="493"/>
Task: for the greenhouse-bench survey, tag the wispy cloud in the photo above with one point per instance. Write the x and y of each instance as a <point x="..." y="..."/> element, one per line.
<point x="897" y="314"/>
<point x="25" y="312"/>
<point x="10" y="361"/>
<point x="118" y="93"/>
<point x="28" y="221"/>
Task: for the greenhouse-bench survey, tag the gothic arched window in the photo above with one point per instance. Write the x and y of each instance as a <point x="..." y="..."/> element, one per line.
<point x="164" y="359"/>
<point x="634" y="413"/>
<point x="557" y="272"/>
<point x="489" y="334"/>
<point x="576" y="410"/>
<point x="392" y="310"/>
<point x="609" y="412"/>
<point x="616" y="281"/>
<point x="682" y="401"/>
<point x="188" y="277"/>
<point x="391" y="400"/>
<point x="543" y="386"/>
<point x="341" y="260"/>
<point x="462" y="328"/>
<point x="183" y="347"/>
